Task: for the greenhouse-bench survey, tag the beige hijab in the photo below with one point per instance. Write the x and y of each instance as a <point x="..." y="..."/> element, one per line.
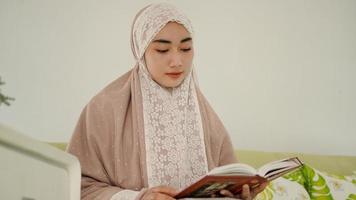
<point x="135" y="134"/>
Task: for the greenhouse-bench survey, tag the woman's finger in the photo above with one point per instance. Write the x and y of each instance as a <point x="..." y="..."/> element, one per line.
<point x="258" y="189"/>
<point x="158" y="196"/>
<point x="166" y="190"/>
<point x="246" y="195"/>
<point x="226" y="193"/>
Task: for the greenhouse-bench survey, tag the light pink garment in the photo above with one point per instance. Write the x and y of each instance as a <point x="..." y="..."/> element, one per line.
<point x="109" y="139"/>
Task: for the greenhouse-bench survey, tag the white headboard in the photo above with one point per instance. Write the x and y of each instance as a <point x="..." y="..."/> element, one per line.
<point x="33" y="170"/>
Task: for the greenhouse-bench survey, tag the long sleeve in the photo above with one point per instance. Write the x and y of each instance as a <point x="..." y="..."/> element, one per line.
<point x="97" y="175"/>
<point x="129" y="195"/>
<point x="108" y="143"/>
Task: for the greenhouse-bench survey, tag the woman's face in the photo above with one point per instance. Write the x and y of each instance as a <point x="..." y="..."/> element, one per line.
<point x="169" y="56"/>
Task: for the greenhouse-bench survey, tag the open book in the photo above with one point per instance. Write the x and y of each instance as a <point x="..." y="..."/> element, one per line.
<point x="233" y="176"/>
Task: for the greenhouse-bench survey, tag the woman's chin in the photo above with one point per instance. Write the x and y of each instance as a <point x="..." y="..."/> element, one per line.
<point x="171" y="84"/>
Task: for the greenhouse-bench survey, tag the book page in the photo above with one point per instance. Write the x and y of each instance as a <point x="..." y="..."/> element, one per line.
<point x="279" y="166"/>
<point x="234" y="169"/>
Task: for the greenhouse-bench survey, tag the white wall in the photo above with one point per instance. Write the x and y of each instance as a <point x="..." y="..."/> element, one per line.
<point x="280" y="74"/>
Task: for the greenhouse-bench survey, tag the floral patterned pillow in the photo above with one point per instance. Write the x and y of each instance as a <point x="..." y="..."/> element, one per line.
<point x="309" y="183"/>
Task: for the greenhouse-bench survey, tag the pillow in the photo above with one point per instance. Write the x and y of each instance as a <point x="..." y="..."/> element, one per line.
<point x="309" y="183"/>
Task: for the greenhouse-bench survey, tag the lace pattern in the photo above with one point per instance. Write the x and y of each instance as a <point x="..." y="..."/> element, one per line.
<point x="175" y="149"/>
<point x="151" y="21"/>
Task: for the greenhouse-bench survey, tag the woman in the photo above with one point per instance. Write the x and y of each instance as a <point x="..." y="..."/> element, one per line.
<point x="151" y="132"/>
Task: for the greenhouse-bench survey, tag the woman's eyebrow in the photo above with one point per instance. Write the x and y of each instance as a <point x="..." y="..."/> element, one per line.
<point x="162" y="41"/>
<point x="186" y="39"/>
<point x="169" y="42"/>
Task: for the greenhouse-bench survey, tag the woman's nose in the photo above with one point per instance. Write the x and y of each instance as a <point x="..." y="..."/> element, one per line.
<point x="176" y="60"/>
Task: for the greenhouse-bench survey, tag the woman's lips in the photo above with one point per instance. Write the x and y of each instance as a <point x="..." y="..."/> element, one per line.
<point x="174" y="75"/>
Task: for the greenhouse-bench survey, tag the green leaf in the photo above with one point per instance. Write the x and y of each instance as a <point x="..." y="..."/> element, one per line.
<point x="315" y="184"/>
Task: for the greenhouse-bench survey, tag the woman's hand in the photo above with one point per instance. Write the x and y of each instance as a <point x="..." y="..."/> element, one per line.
<point x="246" y="193"/>
<point x="160" y="193"/>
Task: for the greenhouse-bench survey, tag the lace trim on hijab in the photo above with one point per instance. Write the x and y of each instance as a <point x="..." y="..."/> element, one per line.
<point x="173" y="132"/>
<point x="175" y="149"/>
<point x="151" y="21"/>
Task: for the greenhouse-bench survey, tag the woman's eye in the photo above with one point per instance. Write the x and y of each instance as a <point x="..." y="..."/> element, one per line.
<point x="187" y="49"/>
<point x="162" y="51"/>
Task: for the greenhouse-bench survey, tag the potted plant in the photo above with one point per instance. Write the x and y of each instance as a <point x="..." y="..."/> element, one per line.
<point x="3" y="98"/>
